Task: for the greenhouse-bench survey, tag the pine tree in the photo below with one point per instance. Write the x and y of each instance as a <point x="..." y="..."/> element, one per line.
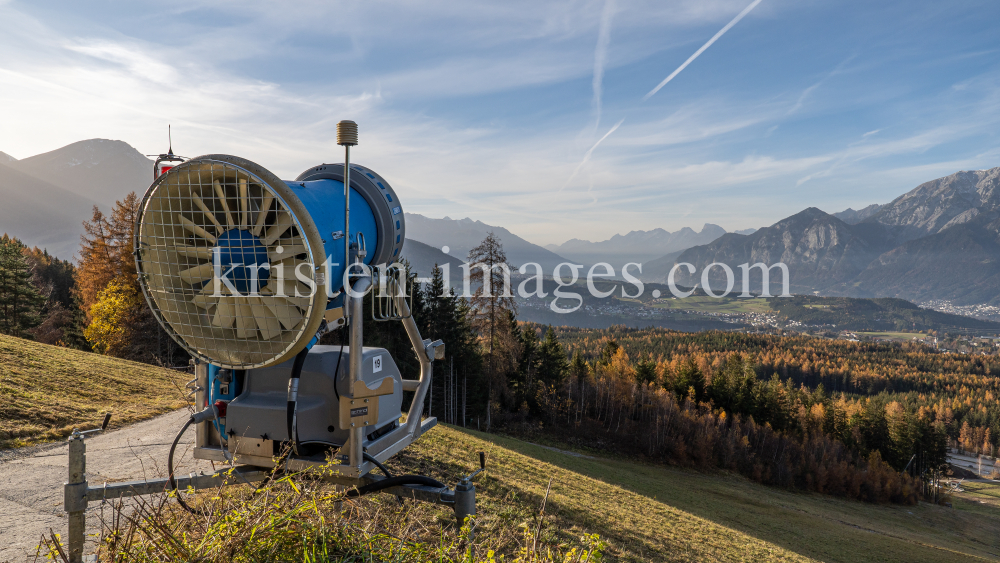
<point x="445" y="318"/>
<point x="20" y="302"/>
<point x="552" y="362"/>
<point x="645" y="371"/>
<point x="73" y="336"/>
<point x="608" y="352"/>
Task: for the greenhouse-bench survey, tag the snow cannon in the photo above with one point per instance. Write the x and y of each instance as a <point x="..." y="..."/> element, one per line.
<point x="247" y="272"/>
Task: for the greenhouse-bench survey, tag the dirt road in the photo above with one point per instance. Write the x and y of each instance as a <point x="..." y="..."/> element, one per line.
<point x="31" y="479"/>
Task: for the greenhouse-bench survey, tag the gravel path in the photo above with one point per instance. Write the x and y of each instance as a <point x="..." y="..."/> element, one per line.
<point x="31" y="479"/>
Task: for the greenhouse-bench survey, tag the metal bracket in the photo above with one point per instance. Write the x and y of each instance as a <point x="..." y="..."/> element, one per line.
<point x="75" y="497"/>
<point x="360" y="408"/>
<point x="434" y="350"/>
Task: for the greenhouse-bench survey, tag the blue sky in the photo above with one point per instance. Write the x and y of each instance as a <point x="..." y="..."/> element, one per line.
<point x="493" y="110"/>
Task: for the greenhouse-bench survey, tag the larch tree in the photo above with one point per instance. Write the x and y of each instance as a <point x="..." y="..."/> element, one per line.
<point x="107" y="280"/>
<point x="490" y="308"/>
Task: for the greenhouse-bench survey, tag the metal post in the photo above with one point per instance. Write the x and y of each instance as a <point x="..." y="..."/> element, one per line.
<point x="465" y="502"/>
<point x="347" y="222"/>
<point x="203" y="430"/>
<point x="355" y="455"/>
<point x="347" y="136"/>
<point x="75" y="500"/>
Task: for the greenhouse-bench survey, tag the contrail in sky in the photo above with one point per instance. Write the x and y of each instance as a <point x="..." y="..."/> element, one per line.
<point x="600" y="58"/>
<point x="702" y="49"/>
<point x="586" y="157"/>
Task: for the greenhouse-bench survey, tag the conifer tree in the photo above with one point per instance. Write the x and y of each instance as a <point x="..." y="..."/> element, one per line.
<point x="552" y="362"/>
<point x="20" y="302"/>
<point x="445" y="317"/>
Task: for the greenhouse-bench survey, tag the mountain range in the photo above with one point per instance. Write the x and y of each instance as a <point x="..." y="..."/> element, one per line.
<point x="940" y="240"/>
<point x="462" y="235"/>
<point x="48" y="196"/>
<point x="636" y="246"/>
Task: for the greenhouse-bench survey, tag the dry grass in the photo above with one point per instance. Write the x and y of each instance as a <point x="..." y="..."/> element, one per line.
<point x="46" y="391"/>
<point x="657" y="513"/>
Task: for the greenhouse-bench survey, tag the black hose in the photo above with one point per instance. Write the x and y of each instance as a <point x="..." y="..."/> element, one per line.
<point x="368" y="457"/>
<point x="170" y="469"/>
<point x="336" y="371"/>
<point x="395" y="482"/>
<point x="382" y="468"/>
<point x="300" y="360"/>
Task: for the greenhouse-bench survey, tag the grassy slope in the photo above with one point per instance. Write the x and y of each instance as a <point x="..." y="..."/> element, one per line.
<point x="46" y="391"/>
<point x="652" y="513"/>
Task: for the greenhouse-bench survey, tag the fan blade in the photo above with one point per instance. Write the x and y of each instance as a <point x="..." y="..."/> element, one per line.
<point x="265" y="207"/>
<point x="286" y="313"/>
<point x="197" y="274"/>
<point x="289" y="267"/>
<point x="195" y="229"/>
<point x="290" y="288"/>
<point x="219" y="191"/>
<point x="208" y="213"/>
<point x="202" y="252"/>
<point x="225" y="313"/>
<point x="287" y="251"/>
<point x="205" y="299"/>
<point x="284" y="220"/>
<point x="244" y="203"/>
<point x="268" y="324"/>
<point x="246" y="326"/>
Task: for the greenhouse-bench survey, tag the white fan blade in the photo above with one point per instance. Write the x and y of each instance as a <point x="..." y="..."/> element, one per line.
<point x="287" y="251"/>
<point x="283" y="222"/>
<point x="203" y="252"/>
<point x="190" y="226"/>
<point x="205" y="299"/>
<point x="208" y="213"/>
<point x="225" y="313"/>
<point x="221" y="193"/>
<point x="244" y="203"/>
<point x="286" y="313"/>
<point x="268" y="324"/>
<point x="288" y="267"/>
<point x="301" y="301"/>
<point x="265" y="207"/>
<point x="197" y="274"/>
<point x="246" y="326"/>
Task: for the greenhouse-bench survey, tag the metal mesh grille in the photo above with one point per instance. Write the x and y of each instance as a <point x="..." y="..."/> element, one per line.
<point x="221" y="260"/>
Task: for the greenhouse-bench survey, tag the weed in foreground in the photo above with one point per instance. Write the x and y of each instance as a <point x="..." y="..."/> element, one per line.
<point x="298" y="517"/>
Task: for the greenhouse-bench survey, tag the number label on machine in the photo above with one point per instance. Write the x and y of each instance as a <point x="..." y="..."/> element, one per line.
<point x="376" y="364"/>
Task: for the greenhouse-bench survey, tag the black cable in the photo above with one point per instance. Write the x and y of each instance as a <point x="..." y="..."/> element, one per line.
<point x="336" y="371"/>
<point x="395" y="482"/>
<point x="170" y="469"/>
<point x="293" y="382"/>
<point x="381" y="467"/>
<point x="367" y="457"/>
